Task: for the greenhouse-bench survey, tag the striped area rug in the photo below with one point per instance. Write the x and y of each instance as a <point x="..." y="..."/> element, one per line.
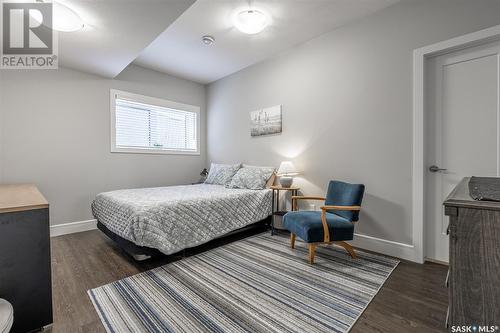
<point x="255" y="285"/>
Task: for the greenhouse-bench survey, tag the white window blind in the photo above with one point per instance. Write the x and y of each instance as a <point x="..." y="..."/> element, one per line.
<point x="140" y="125"/>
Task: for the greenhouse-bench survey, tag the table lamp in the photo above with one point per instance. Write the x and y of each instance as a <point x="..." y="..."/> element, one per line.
<point x="286" y="172"/>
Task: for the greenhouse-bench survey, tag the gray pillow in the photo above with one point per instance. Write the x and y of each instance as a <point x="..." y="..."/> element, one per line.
<point x="253" y="178"/>
<point x="221" y="174"/>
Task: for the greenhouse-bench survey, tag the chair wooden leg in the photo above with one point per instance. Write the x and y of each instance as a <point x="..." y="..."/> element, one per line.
<point x="292" y="240"/>
<point x="348" y="248"/>
<point x="312" y="250"/>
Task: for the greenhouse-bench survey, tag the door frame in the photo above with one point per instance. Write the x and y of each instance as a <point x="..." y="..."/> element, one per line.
<point x="418" y="149"/>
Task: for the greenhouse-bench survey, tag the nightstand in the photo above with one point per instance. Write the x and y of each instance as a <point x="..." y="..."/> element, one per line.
<point x="276" y="211"/>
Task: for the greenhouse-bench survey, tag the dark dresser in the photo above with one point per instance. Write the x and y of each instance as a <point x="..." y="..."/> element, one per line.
<point x="25" y="274"/>
<point x="474" y="273"/>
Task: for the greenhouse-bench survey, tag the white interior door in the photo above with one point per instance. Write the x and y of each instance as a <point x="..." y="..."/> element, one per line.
<point x="462" y="125"/>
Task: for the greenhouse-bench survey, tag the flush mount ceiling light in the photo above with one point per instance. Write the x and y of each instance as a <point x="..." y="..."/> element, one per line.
<point x="64" y="18"/>
<point x="251" y="21"/>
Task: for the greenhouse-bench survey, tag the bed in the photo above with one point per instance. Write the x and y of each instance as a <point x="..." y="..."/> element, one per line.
<point x="170" y="219"/>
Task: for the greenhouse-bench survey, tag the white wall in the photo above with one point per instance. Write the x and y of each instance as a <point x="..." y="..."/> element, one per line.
<point x="54" y="129"/>
<point x="347" y="103"/>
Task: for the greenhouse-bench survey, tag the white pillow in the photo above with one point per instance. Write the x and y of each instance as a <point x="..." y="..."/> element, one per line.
<point x="221" y="174"/>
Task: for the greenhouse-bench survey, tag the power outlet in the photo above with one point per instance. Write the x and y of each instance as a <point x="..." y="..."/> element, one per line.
<point x="312" y="207"/>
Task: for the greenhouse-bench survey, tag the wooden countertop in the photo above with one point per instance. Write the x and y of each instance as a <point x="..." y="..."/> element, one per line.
<point x="21" y="197"/>
<point x="460" y="197"/>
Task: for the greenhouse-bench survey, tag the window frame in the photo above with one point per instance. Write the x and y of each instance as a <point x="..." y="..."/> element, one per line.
<point x="114" y="94"/>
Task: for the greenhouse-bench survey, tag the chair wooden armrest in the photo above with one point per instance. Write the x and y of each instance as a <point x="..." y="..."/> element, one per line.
<point x="326" y="232"/>
<point x="325" y="208"/>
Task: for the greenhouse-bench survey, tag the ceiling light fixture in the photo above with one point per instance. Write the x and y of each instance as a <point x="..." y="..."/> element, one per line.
<point x="251" y="21"/>
<point x="208" y="40"/>
<point x="64" y="18"/>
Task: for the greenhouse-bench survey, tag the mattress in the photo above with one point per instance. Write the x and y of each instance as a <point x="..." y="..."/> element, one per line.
<point x="177" y="217"/>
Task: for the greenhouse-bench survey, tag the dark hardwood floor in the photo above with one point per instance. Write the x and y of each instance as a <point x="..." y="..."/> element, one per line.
<point x="414" y="298"/>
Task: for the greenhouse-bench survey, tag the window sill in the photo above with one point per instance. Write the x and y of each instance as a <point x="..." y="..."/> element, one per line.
<point x="153" y="151"/>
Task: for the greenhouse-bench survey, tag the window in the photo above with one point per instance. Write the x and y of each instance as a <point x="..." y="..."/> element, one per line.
<point x="141" y="124"/>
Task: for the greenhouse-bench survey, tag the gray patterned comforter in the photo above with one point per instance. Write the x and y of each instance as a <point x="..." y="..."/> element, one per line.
<point x="177" y="217"/>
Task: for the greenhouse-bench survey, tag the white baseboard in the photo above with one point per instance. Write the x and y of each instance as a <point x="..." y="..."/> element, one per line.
<point x="390" y="248"/>
<point x="72" y="227"/>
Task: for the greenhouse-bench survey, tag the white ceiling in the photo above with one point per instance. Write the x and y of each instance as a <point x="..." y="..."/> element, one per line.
<point x="179" y="50"/>
<point x="116" y="32"/>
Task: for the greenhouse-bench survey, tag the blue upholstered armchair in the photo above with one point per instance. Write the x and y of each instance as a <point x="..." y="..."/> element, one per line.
<point x="333" y="224"/>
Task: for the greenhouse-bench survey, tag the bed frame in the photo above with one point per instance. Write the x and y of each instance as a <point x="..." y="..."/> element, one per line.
<point x="141" y="253"/>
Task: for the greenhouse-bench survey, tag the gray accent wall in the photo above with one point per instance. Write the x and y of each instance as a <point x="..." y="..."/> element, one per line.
<point x="55" y="132"/>
<point x="347" y="106"/>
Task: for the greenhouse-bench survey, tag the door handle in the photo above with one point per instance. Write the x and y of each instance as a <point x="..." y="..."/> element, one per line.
<point x="435" y="168"/>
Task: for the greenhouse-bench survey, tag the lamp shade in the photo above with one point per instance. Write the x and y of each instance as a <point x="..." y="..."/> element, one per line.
<point x="287" y="169"/>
